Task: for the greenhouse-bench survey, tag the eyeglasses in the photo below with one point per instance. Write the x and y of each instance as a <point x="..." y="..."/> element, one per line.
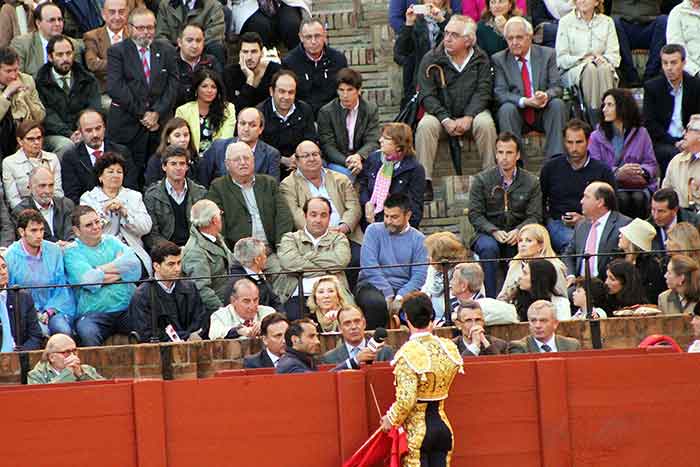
<point x="454" y="35"/>
<point x="147" y="27"/>
<point x="306" y="156"/>
<point x="67" y="352"/>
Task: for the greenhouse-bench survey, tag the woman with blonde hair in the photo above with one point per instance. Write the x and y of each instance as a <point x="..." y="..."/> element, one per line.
<point x="533" y="243"/>
<point x="683" y="280"/>
<point x="441" y="246"/>
<point x="326" y="300"/>
<point x="682" y="237"/>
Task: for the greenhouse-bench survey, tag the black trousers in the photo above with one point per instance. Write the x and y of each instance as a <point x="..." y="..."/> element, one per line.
<point x="284" y="27"/>
<point x="372" y="302"/>
<point x="437" y="442"/>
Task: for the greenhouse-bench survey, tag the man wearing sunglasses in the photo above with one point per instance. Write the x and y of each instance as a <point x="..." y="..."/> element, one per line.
<point x="60" y="364"/>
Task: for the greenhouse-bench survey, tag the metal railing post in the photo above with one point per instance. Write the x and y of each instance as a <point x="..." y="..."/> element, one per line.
<point x="594" y="324"/>
<point x="446" y="292"/>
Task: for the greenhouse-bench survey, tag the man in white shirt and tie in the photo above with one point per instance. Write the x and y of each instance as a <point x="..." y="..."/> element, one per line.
<point x="272" y="329"/>
<point x="542" y="317"/>
<point x="97" y="41"/>
<point x="597" y="234"/>
<point x="352" y="324"/>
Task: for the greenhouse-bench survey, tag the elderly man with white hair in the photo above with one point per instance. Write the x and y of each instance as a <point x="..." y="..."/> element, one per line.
<point x="205" y="256"/>
<point x="467" y="72"/>
<point x="528" y="87"/>
<point x="542" y="317"/>
<point x="250" y="257"/>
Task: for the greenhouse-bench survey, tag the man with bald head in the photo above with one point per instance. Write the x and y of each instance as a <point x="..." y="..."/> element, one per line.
<point x="251" y="203"/>
<point x="312" y="179"/>
<point x="55" y="211"/>
<point x="250" y="124"/>
<point x="597" y="233"/>
<point x="60" y="364"/>
<point x="243" y="316"/>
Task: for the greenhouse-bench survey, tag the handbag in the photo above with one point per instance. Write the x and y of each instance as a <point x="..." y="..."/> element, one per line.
<point x="631" y="181"/>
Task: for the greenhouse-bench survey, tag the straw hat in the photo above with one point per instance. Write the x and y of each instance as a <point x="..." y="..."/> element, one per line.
<point x="640" y="233"/>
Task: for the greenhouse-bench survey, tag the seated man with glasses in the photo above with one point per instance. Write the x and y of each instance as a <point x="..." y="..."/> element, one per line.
<point x="60" y="364"/>
<point x="683" y="173"/>
<point x="473" y="340"/>
<point x="311" y="180"/>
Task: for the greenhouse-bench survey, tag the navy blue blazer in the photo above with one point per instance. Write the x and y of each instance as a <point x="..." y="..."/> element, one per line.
<point x="258" y="360"/>
<point x="211" y="166"/>
<point x="31" y="331"/>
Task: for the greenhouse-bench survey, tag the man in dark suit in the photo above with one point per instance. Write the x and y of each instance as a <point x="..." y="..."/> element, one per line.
<point x="353" y="348"/>
<point x="58" y="227"/>
<point x="272" y="329"/>
<point x="474" y="341"/>
<point x="141" y="80"/>
<point x="303" y="345"/>
<point x="77" y="175"/>
<point x="249" y="125"/>
<point x="669" y="101"/>
<point x="528" y="87"/>
<point x="665" y="213"/>
<point x="31" y="337"/>
<point x="599" y="207"/>
<point x="348" y="116"/>
<point x="543" y="324"/>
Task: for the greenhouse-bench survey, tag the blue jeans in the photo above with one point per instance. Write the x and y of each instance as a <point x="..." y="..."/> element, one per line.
<point x="560" y="234"/>
<point x="61" y="324"/>
<point x="488" y="248"/>
<point x="94" y="328"/>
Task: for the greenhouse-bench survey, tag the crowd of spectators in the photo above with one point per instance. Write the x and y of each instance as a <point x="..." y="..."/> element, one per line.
<point x="139" y="151"/>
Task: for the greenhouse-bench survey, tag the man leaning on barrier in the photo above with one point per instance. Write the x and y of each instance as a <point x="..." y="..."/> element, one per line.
<point x="60" y="364"/>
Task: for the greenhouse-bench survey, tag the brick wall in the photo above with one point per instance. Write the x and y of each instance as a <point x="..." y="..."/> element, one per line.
<point x="203" y="359"/>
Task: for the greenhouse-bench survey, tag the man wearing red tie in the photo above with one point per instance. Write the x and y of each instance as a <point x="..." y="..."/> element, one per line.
<point x="141" y="80"/>
<point x="528" y="87"/>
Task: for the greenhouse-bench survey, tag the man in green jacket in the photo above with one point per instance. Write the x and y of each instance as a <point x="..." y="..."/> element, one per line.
<point x="252" y="204"/>
<point x="206" y="257"/>
<point x="502" y="200"/>
<point x="169" y="201"/>
<point x="60" y="364"/>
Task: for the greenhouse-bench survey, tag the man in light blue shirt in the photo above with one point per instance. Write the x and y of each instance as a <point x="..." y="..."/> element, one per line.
<point x="104" y="262"/>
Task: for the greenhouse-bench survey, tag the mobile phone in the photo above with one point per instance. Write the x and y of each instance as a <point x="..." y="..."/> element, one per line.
<point x="420" y="9"/>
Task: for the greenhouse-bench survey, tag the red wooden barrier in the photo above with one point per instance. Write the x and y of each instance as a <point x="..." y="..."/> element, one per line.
<point x="628" y="410"/>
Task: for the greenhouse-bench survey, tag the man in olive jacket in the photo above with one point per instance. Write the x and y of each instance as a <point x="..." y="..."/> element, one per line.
<point x="251" y="203"/>
<point x="501" y="200"/>
<point x="205" y="256"/>
<point x="464" y="111"/>
<point x="169" y="201"/>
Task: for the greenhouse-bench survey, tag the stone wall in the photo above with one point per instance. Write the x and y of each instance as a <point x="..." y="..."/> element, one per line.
<point x="203" y="359"/>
